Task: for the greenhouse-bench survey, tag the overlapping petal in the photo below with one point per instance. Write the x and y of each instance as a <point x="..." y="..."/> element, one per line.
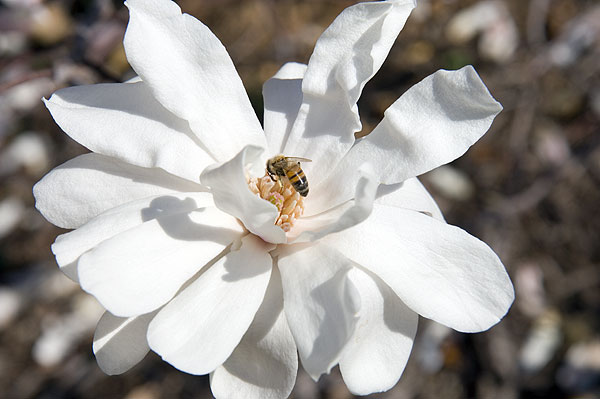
<point x="124" y="121"/>
<point x="139" y="270"/>
<point x="120" y="343"/>
<point x="190" y="73"/>
<point x="199" y="329"/>
<point x="438" y="270"/>
<point x="410" y="194"/>
<point x="70" y="246"/>
<point x="265" y="363"/>
<point x="282" y="96"/>
<point x="341" y="217"/>
<point x="84" y="187"/>
<point x="320" y="303"/>
<point x="433" y="123"/>
<point x="345" y="58"/>
<point x="377" y="353"/>
<point x="229" y="187"/>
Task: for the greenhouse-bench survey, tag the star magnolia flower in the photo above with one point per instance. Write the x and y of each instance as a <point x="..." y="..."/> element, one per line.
<point x="198" y="256"/>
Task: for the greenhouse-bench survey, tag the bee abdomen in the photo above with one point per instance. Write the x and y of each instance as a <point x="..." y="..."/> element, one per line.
<point x="298" y="181"/>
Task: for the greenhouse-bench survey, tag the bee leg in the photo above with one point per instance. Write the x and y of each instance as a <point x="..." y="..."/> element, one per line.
<point x="271" y="176"/>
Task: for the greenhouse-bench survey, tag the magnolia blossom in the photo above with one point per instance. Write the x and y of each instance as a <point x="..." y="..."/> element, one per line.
<point x="200" y="257"/>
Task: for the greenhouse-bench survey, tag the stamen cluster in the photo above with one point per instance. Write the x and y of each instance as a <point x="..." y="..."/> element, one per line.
<point x="289" y="203"/>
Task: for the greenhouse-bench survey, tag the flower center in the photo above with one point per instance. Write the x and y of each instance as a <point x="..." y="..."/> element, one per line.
<point x="288" y="201"/>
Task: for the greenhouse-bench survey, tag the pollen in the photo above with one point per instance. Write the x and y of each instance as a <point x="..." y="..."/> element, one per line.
<point x="288" y="201"/>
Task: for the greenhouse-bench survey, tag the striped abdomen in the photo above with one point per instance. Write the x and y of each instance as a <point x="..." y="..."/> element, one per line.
<point x="298" y="180"/>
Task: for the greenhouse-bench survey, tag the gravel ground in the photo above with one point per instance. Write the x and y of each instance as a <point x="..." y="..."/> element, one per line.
<point x="530" y="188"/>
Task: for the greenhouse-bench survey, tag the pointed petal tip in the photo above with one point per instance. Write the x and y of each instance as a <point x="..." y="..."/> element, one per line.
<point x="474" y="80"/>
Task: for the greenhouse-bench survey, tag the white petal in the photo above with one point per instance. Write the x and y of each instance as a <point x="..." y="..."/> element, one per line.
<point x="433" y="123"/>
<point x="124" y="121"/>
<point x="346" y="56"/>
<point x="120" y="343"/>
<point x="342" y="217"/>
<point x="438" y="270"/>
<point x="70" y="246"/>
<point x="199" y="329"/>
<point x="410" y="194"/>
<point x="232" y="195"/>
<point x="265" y="363"/>
<point x="84" y="187"/>
<point x="320" y="303"/>
<point x="282" y="96"/>
<point x="191" y="74"/>
<point x="376" y="355"/>
<point x="137" y="271"/>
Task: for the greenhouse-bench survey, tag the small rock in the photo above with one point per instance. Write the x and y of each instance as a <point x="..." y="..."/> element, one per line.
<point x="27" y="95"/>
<point x="11" y="213"/>
<point x="491" y="19"/>
<point x="50" y="24"/>
<point x="430" y="354"/>
<point x="529" y="286"/>
<point x="10" y="305"/>
<point x="551" y="147"/>
<point x="581" y="371"/>
<point x="451" y="183"/>
<point x="28" y="150"/>
<point x="579" y="35"/>
<point x="12" y="43"/>
<point x="61" y="335"/>
<point x="542" y="343"/>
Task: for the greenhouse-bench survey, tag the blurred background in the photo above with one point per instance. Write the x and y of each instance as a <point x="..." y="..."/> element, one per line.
<point x="530" y="188"/>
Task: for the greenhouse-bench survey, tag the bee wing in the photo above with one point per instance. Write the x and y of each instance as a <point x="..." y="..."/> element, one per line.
<point x="297" y="159"/>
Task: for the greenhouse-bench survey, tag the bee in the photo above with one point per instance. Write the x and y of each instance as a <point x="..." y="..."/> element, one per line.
<point x="289" y="167"/>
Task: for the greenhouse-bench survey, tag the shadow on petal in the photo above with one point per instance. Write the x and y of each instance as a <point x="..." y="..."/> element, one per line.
<point x="181" y="226"/>
<point x="335" y="313"/>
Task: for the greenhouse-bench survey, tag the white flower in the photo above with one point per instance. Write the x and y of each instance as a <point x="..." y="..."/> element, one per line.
<point x="157" y="206"/>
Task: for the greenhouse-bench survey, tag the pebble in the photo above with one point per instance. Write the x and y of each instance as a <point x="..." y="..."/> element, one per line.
<point x="542" y="343"/>
<point x="499" y="34"/>
<point x="29" y="151"/>
<point x="27" y="95"/>
<point x="50" y="24"/>
<point x="451" y="183"/>
<point x="60" y="335"/>
<point x="529" y="287"/>
<point x="580" y="372"/>
<point x="10" y="305"/>
<point x="579" y="35"/>
<point x="551" y="146"/>
<point x="12" y="210"/>
<point x="430" y="354"/>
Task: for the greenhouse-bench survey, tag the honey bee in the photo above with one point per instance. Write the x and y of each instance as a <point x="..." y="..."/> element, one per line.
<point x="289" y="167"/>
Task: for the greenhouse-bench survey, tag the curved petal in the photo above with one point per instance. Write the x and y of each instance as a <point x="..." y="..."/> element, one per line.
<point x="84" y="187"/>
<point x="124" y="121"/>
<point x="120" y="343"/>
<point x="139" y="270"/>
<point x="377" y="353"/>
<point x="410" y="194"/>
<point x="199" y="329"/>
<point x="265" y="363"/>
<point x="320" y="303"/>
<point x="231" y="194"/>
<point x="190" y="73"/>
<point x="282" y="96"/>
<point x="433" y="123"/>
<point x="346" y="56"/>
<point x="70" y="246"/>
<point x="438" y="270"/>
<point x="342" y="217"/>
